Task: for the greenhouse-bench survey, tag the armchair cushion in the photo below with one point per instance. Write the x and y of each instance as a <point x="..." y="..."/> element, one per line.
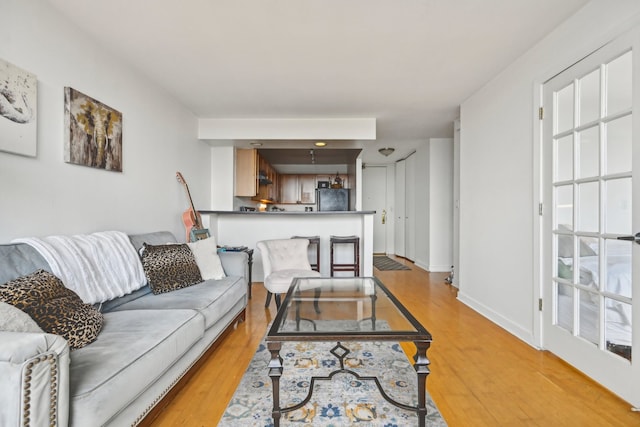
<point x="278" y="282"/>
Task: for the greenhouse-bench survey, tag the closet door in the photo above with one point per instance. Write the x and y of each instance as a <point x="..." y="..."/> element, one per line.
<point x="399" y="237"/>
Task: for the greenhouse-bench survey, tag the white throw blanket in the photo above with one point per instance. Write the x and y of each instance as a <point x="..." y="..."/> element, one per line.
<point x="98" y="267"/>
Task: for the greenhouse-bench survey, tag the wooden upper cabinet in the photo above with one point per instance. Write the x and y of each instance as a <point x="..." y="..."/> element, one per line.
<point x="246" y="172"/>
<point x="288" y="188"/>
<point x="307" y="185"/>
<point x="254" y="177"/>
<point x="298" y="189"/>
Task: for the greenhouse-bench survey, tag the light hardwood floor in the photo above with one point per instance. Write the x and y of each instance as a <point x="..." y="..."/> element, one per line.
<point x="480" y="374"/>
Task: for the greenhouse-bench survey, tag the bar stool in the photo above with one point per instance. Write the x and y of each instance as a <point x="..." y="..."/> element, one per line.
<point x="313" y="240"/>
<point x="355" y="266"/>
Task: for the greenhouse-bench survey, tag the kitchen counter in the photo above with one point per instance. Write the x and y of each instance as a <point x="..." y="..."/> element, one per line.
<point x="245" y="228"/>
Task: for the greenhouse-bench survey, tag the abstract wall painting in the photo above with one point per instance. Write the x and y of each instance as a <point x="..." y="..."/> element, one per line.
<point x="93" y="132"/>
<point x="18" y="110"/>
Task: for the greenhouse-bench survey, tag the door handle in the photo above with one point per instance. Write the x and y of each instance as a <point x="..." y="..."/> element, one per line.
<point x="384" y="216"/>
<point x="635" y="238"/>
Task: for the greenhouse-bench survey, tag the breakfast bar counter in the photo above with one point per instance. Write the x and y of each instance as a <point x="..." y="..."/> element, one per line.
<point x="245" y="228"/>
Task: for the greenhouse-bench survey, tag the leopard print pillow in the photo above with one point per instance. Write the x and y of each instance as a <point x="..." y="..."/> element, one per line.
<point x="169" y="267"/>
<point x="55" y="308"/>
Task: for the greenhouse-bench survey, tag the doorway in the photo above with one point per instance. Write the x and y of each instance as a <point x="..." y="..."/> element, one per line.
<point x="591" y="263"/>
<point x="374" y="198"/>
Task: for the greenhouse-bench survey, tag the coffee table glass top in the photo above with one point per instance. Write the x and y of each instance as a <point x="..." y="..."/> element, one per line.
<point x="343" y="308"/>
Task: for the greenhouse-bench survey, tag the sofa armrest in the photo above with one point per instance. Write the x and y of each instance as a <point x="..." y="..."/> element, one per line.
<point x="34" y="379"/>
<point x="235" y="264"/>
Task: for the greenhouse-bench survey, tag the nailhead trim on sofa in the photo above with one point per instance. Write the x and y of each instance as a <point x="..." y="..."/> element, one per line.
<point x="53" y="391"/>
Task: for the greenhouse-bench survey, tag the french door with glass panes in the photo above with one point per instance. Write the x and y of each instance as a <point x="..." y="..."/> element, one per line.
<point x="591" y="269"/>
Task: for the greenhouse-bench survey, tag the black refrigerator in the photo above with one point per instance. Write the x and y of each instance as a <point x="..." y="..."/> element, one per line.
<point x="332" y="199"/>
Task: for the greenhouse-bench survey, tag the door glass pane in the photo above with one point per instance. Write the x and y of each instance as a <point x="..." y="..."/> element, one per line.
<point x="564" y="206"/>
<point x="619" y="84"/>
<point x="589" y="262"/>
<point x="618" y="267"/>
<point x="588" y="212"/>
<point x="564" y="109"/>
<point x="564" y="158"/>
<point x="564" y="250"/>
<point x="589" y="98"/>
<point x="589" y="157"/>
<point x="619" y="145"/>
<point x="589" y="316"/>
<point x="564" y="307"/>
<point x="618" y="327"/>
<point x="618" y="206"/>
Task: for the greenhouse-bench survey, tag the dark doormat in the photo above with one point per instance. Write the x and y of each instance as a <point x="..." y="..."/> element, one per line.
<point x="383" y="262"/>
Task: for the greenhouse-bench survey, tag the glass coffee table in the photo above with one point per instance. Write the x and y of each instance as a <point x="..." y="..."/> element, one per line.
<point x="345" y="309"/>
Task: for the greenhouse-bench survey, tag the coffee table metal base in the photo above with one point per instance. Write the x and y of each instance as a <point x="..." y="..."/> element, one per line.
<point x="421" y="365"/>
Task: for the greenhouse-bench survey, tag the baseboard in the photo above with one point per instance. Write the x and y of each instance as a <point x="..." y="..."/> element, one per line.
<point x="432" y="268"/>
<point x="505" y="323"/>
<point x="439" y="268"/>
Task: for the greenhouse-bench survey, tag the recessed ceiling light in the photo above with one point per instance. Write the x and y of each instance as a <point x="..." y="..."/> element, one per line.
<point x="320" y="144"/>
<point x="256" y="144"/>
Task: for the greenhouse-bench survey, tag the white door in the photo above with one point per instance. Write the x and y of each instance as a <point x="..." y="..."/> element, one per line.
<point x="410" y="208"/>
<point x="589" y="317"/>
<point x="374" y="198"/>
<point x="399" y="228"/>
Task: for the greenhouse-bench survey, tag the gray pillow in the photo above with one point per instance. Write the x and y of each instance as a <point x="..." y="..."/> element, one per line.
<point x="12" y="319"/>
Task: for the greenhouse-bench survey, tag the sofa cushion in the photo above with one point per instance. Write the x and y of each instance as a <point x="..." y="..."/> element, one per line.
<point x="212" y="298"/>
<point x="134" y="349"/>
<point x="169" y="267"/>
<point x="56" y="309"/>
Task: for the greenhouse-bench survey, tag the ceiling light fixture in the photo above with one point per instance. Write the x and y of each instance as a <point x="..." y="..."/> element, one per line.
<point x="320" y="144"/>
<point x="386" y="151"/>
<point x="256" y="144"/>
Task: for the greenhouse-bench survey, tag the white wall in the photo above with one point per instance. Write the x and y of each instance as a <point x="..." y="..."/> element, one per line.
<point x="440" y="204"/>
<point x="433" y="204"/>
<point x="44" y="195"/>
<point x="498" y="178"/>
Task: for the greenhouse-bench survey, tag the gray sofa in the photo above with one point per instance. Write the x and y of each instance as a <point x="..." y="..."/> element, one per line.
<point x="147" y="344"/>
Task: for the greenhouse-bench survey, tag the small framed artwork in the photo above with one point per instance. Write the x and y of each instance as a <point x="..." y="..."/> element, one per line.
<point x="201" y="234"/>
<point x="93" y="132"/>
<point x="18" y="110"/>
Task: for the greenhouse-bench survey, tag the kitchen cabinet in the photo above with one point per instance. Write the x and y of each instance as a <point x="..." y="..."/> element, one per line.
<point x="254" y="176"/>
<point x="267" y="182"/>
<point x="298" y="189"/>
<point x="246" y="172"/>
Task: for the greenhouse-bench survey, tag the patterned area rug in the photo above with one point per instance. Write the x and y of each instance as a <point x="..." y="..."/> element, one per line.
<point x="383" y="262"/>
<point x="343" y="401"/>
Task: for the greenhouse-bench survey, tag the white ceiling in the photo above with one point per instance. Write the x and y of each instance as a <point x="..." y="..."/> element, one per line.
<point x="407" y="63"/>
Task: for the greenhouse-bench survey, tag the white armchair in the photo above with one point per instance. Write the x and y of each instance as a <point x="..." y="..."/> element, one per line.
<point x="282" y="261"/>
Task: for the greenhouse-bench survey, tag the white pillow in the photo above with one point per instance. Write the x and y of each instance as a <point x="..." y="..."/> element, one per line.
<point x="13" y="319"/>
<point x="205" y="252"/>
